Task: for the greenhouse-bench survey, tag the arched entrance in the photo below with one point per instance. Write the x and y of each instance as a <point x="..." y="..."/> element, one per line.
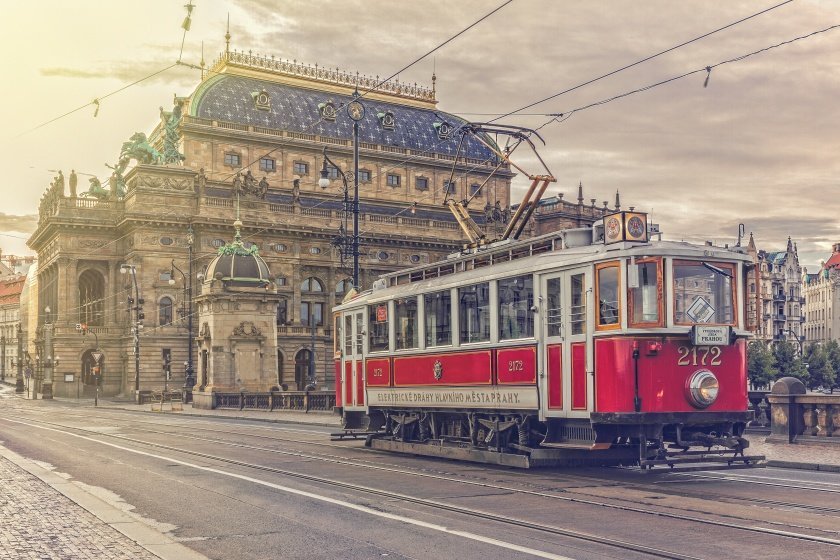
<point x="302" y="359"/>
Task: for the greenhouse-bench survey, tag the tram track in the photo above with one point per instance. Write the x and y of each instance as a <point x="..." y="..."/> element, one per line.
<point x="546" y="491"/>
<point x="553" y="494"/>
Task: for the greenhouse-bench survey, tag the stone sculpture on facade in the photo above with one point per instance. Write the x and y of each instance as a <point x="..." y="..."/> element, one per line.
<point x="247" y="184"/>
<point x="96" y="190"/>
<point x="201" y="182"/>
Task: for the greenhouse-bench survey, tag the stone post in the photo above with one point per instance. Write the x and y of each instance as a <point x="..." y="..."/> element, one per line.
<point x="787" y="419"/>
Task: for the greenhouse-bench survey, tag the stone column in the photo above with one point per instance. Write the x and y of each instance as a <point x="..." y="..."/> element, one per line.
<point x="787" y="419"/>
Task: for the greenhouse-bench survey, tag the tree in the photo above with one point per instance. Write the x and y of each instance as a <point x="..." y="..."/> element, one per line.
<point x="788" y="361"/>
<point x="821" y="372"/>
<point x="832" y="350"/>
<point x="761" y="365"/>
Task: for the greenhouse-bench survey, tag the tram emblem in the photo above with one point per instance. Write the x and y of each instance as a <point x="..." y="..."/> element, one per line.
<point x="438" y="370"/>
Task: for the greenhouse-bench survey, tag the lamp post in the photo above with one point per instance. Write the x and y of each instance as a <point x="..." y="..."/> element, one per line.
<point x="798" y="341"/>
<point x="356" y="112"/>
<point x="19" y="378"/>
<point x="136" y="305"/>
<point x="189" y="378"/>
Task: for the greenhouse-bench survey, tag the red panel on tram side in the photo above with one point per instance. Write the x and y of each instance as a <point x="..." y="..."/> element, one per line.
<point x="348" y="378"/>
<point x="338" y="394"/>
<point x="516" y="365"/>
<point x="378" y="372"/>
<point x="579" y="376"/>
<point x="360" y="385"/>
<point x="462" y="368"/>
<point x="555" y="376"/>
<point x="664" y="371"/>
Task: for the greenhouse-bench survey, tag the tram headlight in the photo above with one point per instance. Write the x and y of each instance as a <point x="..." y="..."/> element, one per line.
<point x="702" y="388"/>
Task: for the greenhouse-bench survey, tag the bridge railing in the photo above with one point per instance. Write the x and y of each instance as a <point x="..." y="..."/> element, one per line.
<point x="304" y="401"/>
<point x="798" y="416"/>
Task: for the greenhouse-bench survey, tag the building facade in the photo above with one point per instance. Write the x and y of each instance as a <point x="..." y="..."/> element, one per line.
<point x="10" y="289"/>
<point x="775" y="306"/>
<point x="822" y="300"/>
<point x="255" y="129"/>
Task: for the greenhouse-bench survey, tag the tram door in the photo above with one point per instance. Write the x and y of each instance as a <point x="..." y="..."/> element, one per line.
<point x="567" y="385"/>
<point x="352" y="379"/>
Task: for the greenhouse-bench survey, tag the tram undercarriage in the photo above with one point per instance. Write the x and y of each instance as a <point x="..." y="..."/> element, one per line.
<point x="519" y="439"/>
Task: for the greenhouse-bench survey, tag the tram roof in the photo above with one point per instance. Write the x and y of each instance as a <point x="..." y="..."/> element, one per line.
<point x="534" y="255"/>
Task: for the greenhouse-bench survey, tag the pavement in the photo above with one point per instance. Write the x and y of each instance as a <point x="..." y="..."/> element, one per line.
<point x="48" y="516"/>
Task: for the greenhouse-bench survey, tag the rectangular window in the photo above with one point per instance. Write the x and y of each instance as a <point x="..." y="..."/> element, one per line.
<point x="704" y="293"/>
<point x="577" y="312"/>
<point x="646" y="300"/>
<point x="438" y="309"/>
<point x="378" y="326"/>
<point x="405" y="321"/>
<point x="516" y="296"/>
<point x="268" y="165"/>
<point x="311" y="311"/>
<point x="421" y="184"/>
<point x="233" y="160"/>
<point x="393" y="180"/>
<point x="474" y="309"/>
<point x="300" y="168"/>
<point x="364" y="176"/>
<point x="554" y="309"/>
<point x="474" y="188"/>
<point x="608" y="296"/>
<point x="449" y="187"/>
<point x="332" y="172"/>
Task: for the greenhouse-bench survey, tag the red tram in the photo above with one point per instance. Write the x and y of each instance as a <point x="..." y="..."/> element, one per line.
<point x="594" y="345"/>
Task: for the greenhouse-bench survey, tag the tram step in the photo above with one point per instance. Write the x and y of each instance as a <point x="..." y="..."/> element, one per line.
<point x="755" y="460"/>
<point x="355" y="434"/>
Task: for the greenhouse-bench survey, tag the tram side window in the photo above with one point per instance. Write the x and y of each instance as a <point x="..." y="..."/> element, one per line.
<point x="578" y="309"/>
<point x="703" y="293"/>
<point x="609" y="304"/>
<point x="516" y="296"/>
<point x="438" y="309"/>
<point x="378" y="326"/>
<point x="474" y="313"/>
<point x="405" y="319"/>
<point x="645" y="301"/>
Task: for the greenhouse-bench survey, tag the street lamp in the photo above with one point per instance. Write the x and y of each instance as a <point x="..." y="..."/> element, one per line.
<point x="356" y="112"/>
<point x="135" y="304"/>
<point x="49" y="361"/>
<point x="189" y="375"/>
<point x="797" y="339"/>
<point x="19" y="378"/>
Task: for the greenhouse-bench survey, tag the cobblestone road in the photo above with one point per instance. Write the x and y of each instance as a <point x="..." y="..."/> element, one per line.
<point x="39" y="522"/>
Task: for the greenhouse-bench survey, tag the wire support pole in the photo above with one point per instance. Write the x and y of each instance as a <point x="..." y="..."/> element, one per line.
<point x="356" y="205"/>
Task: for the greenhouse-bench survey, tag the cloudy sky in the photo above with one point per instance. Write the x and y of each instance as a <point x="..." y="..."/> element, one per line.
<point x="758" y="146"/>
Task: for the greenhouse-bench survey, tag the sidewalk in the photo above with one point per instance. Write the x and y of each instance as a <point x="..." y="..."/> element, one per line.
<point x="46" y="516"/>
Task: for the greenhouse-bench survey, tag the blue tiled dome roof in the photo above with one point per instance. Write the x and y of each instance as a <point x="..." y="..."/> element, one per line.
<point x="230" y="98"/>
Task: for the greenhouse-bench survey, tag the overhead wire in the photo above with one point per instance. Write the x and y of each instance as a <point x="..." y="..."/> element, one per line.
<point x="643" y="60"/>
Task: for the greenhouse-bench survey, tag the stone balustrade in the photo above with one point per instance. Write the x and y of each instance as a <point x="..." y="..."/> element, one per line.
<point x="798" y="416"/>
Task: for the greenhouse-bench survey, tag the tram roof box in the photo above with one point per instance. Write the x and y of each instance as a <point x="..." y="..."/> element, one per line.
<point x="577" y="237"/>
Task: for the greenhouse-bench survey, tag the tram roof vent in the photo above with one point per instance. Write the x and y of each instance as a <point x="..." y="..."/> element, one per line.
<point x="379" y="284"/>
<point x="578" y="237"/>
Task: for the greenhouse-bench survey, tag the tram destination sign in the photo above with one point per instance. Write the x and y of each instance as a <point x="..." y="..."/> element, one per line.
<point x="710" y="335"/>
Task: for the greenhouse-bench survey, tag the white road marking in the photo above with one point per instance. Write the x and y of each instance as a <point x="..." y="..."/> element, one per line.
<point x="327" y="499"/>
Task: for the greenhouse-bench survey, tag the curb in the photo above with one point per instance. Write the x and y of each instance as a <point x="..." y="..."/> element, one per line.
<point x="803" y="466"/>
<point x="197" y="415"/>
<point x="149" y="538"/>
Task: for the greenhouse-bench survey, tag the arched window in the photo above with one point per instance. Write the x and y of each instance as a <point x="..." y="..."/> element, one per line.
<point x="302" y="362"/>
<point x="165" y="310"/>
<point x="91" y="298"/>
<point x="311" y="284"/>
<point x="343" y="286"/>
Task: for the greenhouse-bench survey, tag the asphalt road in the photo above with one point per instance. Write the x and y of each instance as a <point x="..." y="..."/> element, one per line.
<point x="251" y="490"/>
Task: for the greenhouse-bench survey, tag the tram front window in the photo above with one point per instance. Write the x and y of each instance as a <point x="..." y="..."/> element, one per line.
<point x="703" y="293"/>
<point x="645" y="299"/>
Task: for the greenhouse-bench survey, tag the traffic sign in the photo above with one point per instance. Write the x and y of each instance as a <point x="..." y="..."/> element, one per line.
<point x="96" y="356"/>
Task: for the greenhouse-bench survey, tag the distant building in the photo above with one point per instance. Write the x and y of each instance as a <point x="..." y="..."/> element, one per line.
<point x="10" y="289"/>
<point x="774" y="298"/>
<point x="822" y="319"/>
<point x="555" y="213"/>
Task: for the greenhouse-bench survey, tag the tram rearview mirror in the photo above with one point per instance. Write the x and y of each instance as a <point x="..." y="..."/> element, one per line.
<point x="632" y="275"/>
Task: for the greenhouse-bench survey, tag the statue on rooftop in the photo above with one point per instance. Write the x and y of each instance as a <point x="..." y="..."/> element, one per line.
<point x="74" y="180"/>
<point x="59" y="183"/>
<point x="95" y="191"/>
<point x="171" y="123"/>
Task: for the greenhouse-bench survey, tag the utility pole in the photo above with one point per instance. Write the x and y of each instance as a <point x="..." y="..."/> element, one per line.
<point x="136" y="305"/>
<point x="19" y="378"/>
